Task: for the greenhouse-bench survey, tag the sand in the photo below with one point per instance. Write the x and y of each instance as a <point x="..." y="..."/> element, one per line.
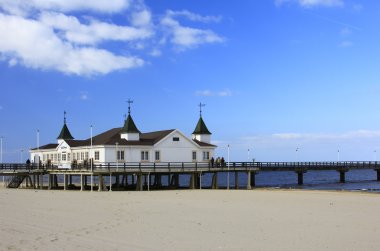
<point x="189" y="220"/>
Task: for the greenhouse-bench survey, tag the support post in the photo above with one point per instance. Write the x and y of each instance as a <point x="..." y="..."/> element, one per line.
<point x="42" y="181"/>
<point x="214" y="183"/>
<point x="253" y="179"/>
<point x="50" y="181"/>
<point x="100" y="181"/>
<point x="342" y="176"/>
<point x="249" y="180"/>
<point x="236" y="180"/>
<point x="65" y="182"/>
<point x="300" y="177"/>
<point x="192" y="181"/>
<point x="81" y="182"/>
<point x="378" y="174"/>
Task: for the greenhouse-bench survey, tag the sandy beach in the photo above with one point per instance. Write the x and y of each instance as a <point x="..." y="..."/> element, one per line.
<point x="189" y="220"/>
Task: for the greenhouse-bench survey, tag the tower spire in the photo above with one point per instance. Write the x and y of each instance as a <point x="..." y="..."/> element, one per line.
<point x="200" y="108"/>
<point x="64" y="117"/>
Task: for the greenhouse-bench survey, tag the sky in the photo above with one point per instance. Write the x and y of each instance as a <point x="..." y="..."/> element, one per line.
<point x="281" y="80"/>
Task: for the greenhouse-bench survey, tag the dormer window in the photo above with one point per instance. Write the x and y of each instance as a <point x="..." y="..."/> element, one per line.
<point x="175" y="138"/>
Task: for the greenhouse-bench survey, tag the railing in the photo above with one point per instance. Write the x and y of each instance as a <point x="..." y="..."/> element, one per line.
<point x="197" y="166"/>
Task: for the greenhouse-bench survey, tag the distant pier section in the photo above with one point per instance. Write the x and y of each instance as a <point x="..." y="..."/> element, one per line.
<point x="146" y="176"/>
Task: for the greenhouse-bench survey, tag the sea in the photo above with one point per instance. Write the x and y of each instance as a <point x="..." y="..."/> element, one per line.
<point x="356" y="180"/>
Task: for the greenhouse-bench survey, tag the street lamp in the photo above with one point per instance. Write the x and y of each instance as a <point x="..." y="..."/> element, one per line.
<point x="117" y="156"/>
<point x="297" y="154"/>
<point x="338" y="155"/>
<point x="21" y="155"/>
<point x="228" y="166"/>
<point x="375" y="155"/>
<point x="91" y="161"/>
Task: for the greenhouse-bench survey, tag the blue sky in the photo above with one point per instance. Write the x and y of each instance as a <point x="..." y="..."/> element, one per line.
<point x="275" y="75"/>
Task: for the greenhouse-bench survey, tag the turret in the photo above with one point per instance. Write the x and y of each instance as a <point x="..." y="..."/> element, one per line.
<point x="201" y="132"/>
<point x="65" y="132"/>
<point x="130" y="131"/>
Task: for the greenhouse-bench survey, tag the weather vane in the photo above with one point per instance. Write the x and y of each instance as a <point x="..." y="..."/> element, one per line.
<point x="129" y="101"/>
<point x="200" y="108"/>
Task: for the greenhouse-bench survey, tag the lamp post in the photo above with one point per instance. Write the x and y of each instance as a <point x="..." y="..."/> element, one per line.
<point x="228" y="166"/>
<point x="374" y="155"/>
<point x="297" y="154"/>
<point x="249" y="156"/>
<point x="21" y="155"/>
<point x="117" y="156"/>
<point x="338" y="155"/>
<point x="91" y="161"/>
<point x="1" y="150"/>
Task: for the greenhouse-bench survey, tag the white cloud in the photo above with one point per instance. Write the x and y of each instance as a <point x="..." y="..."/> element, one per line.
<point x="326" y="136"/>
<point x="345" y="32"/>
<point x="194" y="17"/>
<point x="19" y="7"/>
<point x="94" y="32"/>
<point x="84" y="96"/>
<point x="54" y="34"/>
<point x="346" y="44"/>
<point x="208" y="93"/>
<point x="36" y="45"/>
<point x="312" y="3"/>
<point x="187" y="37"/>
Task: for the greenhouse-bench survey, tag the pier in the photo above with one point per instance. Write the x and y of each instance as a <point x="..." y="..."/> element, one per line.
<point x="147" y="176"/>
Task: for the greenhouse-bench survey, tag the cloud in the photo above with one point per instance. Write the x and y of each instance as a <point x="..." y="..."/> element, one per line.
<point x="208" y="93"/>
<point x="312" y="3"/>
<point x="26" y="7"/>
<point x="187" y="37"/>
<point x="84" y="96"/>
<point x="56" y="35"/>
<point x="346" y="44"/>
<point x="325" y="136"/>
<point x="346" y="32"/>
<point x="72" y="30"/>
<point x="194" y="17"/>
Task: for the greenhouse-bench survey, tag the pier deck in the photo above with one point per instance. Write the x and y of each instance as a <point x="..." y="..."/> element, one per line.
<point x="143" y="172"/>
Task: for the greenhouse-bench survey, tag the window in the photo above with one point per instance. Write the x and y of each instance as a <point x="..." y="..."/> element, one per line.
<point x="96" y="155"/>
<point x="144" y="155"/>
<point x="82" y="156"/>
<point x="194" y="156"/>
<point x="59" y="157"/>
<point x="44" y="157"/>
<point x="175" y="138"/>
<point x="120" y="155"/>
<point x="86" y="155"/>
<point x="157" y="156"/>
<point x="206" y="155"/>
<point x="55" y="157"/>
<point x="63" y="157"/>
<point x="68" y="157"/>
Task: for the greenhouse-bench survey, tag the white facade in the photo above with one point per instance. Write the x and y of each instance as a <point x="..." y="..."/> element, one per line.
<point x="174" y="147"/>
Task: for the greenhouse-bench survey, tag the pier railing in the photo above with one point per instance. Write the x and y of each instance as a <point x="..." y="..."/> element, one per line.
<point x="195" y="166"/>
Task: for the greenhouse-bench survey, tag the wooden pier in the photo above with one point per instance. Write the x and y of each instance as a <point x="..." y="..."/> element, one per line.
<point x="147" y="176"/>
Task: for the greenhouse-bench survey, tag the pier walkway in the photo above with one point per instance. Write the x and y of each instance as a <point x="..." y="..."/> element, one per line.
<point x="139" y="175"/>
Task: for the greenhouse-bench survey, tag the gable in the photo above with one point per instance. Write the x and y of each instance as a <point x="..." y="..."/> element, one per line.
<point x="176" y="139"/>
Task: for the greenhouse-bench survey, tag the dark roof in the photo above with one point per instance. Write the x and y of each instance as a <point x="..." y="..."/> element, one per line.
<point x="65" y="133"/>
<point x="112" y="136"/>
<point x="201" y="127"/>
<point x="129" y="126"/>
<point x="200" y="143"/>
<point x="48" y="146"/>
